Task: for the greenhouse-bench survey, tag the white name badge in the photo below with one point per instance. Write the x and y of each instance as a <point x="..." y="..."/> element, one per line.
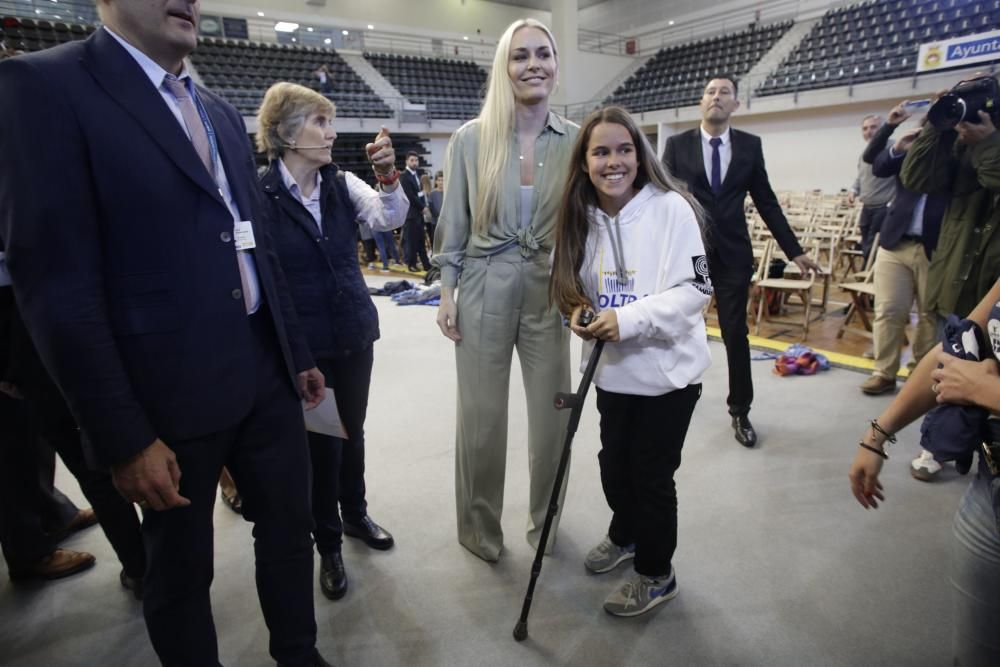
<point x="243" y="235"/>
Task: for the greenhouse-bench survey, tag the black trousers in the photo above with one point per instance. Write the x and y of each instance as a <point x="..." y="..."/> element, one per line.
<point x="641" y="441"/>
<point x="870" y="224"/>
<point x="414" y="242"/>
<point x="732" y="288"/>
<point x="369" y="246"/>
<point x="44" y="413"/>
<point x="56" y="426"/>
<point x="32" y="510"/>
<point x="339" y="465"/>
<point x="267" y="455"/>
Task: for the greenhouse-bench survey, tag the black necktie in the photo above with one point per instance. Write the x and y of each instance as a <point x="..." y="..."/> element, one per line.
<point x="716" y="165"/>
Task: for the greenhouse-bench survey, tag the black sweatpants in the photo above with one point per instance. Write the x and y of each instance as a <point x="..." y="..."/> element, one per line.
<point x="641" y="441"/>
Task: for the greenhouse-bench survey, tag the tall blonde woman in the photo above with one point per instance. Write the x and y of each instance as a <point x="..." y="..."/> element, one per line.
<point x="505" y="172"/>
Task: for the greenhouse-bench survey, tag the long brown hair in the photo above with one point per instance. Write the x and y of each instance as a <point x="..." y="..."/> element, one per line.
<point x="565" y="288"/>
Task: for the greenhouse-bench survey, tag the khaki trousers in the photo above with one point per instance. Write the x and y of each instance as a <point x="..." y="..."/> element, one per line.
<point x="900" y="276"/>
<point x="502" y="304"/>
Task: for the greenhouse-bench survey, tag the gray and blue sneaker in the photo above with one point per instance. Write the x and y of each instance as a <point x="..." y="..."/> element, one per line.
<point x="607" y="555"/>
<point x="640" y="594"/>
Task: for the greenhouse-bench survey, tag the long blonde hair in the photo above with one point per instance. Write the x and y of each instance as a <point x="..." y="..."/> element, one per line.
<point x="496" y="126"/>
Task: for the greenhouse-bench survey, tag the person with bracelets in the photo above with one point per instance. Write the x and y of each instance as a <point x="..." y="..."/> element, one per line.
<point x="942" y="378"/>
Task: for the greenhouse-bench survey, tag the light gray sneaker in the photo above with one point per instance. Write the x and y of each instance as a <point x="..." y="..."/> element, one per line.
<point x="640" y="594"/>
<point x="607" y="555"/>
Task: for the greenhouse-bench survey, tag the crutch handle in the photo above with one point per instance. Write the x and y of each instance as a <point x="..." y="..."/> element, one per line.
<point x="564" y="400"/>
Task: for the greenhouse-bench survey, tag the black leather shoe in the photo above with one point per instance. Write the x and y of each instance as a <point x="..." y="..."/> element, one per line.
<point x="333" y="576"/>
<point x="745" y="435"/>
<point x="373" y="534"/>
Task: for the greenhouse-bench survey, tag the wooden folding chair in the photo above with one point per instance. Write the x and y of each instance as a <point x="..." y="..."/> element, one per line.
<point x="801" y="287"/>
<point x="862" y="293"/>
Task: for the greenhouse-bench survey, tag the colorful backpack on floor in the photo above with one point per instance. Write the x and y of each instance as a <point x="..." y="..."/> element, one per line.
<point x="799" y="359"/>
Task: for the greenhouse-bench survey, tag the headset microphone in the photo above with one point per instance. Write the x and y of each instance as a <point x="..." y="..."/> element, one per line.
<point x="291" y="145"/>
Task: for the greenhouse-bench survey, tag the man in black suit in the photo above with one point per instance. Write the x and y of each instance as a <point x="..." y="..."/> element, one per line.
<point x="154" y="298"/>
<point x="720" y="165"/>
<point x="413" y="231"/>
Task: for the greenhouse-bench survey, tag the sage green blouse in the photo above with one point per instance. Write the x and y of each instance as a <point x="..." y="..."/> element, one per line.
<point x="454" y="239"/>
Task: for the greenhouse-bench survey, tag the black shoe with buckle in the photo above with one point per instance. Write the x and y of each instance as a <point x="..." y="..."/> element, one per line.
<point x="370" y="532"/>
<point x="745" y="435"/>
<point x="332" y="576"/>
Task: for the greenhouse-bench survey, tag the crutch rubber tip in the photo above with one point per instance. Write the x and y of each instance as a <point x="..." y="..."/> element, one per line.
<point x="521" y="631"/>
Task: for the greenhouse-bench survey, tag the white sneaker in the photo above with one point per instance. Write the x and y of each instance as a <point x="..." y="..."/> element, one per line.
<point x="924" y="467"/>
<point x="607" y="555"/>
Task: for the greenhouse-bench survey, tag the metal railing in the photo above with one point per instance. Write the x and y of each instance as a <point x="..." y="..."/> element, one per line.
<point x="66" y="11"/>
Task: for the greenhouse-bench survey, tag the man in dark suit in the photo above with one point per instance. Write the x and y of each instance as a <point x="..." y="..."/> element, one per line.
<point x="156" y="302"/>
<point x="720" y="165"/>
<point x="413" y="231"/>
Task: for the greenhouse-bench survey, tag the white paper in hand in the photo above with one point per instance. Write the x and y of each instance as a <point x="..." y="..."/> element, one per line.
<point x="324" y="418"/>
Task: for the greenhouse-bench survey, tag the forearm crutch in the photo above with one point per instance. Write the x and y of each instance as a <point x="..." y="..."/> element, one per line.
<point x="575" y="403"/>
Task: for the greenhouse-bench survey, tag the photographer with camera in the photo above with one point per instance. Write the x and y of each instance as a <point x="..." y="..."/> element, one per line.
<point x="908" y="237"/>
<point x="958" y="155"/>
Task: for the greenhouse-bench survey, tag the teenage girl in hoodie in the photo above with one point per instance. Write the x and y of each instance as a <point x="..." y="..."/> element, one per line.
<point x="629" y="248"/>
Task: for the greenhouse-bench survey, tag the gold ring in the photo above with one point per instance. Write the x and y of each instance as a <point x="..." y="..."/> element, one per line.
<point x="934" y="387"/>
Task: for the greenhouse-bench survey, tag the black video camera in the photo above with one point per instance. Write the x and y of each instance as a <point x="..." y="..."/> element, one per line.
<point x="964" y="102"/>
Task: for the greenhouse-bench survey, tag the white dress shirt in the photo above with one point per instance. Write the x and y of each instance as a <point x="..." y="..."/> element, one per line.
<point x="725" y="154"/>
<point x="381" y="211"/>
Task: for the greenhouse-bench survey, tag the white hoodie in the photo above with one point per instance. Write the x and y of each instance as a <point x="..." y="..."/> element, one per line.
<point x="664" y="345"/>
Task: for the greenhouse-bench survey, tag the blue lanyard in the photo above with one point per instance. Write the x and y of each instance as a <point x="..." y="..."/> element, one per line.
<point x="209" y="130"/>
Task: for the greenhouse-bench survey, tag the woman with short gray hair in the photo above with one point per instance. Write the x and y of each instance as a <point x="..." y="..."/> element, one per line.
<point x="314" y="208"/>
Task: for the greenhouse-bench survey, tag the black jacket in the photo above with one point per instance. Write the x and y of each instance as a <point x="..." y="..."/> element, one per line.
<point x="728" y="241"/>
<point x="904" y="201"/>
<point x="126" y="274"/>
<point x="411" y="186"/>
<point x="329" y="292"/>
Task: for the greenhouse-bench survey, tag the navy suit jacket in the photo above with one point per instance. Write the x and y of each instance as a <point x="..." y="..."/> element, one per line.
<point x="121" y="251"/>
<point x="904" y="201"/>
<point x="727" y="237"/>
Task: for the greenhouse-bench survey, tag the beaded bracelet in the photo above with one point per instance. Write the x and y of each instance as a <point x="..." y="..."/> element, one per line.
<point x="872" y="449"/>
<point x="890" y="437"/>
<point x="388" y="179"/>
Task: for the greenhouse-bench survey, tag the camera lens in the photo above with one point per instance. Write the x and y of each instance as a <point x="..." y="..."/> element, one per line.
<point x="947" y="112"/>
